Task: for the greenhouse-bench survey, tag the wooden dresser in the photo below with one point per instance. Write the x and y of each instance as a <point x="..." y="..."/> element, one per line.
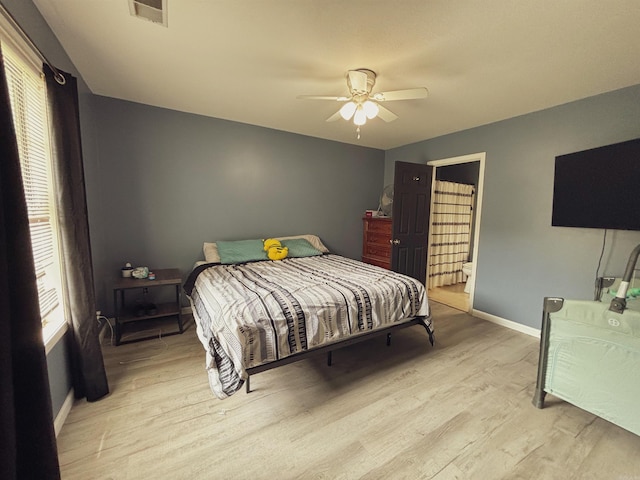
<point x="376" y="241"/>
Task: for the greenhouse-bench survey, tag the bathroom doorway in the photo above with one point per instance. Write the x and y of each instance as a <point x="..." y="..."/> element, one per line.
<point x="459" y="288"/>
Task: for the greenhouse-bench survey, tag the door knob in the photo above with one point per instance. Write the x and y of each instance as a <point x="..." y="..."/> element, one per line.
<point x="395" y="241"/>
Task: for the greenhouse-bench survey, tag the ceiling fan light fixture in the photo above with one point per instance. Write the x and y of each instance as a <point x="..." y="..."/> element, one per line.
<point x="360" y="117"/>
<point x="363" y="104"/>
<point x="371" y="109"/>
<point x="347" y="110"/>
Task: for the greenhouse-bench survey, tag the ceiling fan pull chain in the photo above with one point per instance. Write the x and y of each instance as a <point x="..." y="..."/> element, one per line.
<point x="358" y="132"/>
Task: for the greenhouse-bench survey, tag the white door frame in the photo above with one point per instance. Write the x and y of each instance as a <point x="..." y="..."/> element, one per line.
<point x="473" y="157"/>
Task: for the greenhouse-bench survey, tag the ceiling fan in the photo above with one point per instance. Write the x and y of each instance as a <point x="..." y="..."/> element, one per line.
<point x="361" y="104"/>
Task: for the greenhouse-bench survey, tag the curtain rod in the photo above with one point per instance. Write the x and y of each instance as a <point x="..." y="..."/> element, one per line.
<point x="56" y="73"/>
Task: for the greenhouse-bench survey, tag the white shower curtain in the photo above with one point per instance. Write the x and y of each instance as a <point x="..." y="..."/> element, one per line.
<point x="451" y="216"/>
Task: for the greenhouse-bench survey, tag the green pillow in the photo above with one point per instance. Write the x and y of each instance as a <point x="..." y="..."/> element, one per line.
<point x="241" y="251"/>
<point x="299" y="247"/>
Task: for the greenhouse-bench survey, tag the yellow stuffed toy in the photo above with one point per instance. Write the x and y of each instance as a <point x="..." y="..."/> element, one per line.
<point x="271" y="242"/>
<point x="278" y="253"/>
<point x="275" y="250"/>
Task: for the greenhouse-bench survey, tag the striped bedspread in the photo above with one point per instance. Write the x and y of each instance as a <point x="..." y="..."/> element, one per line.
<point x="254" y="313"/>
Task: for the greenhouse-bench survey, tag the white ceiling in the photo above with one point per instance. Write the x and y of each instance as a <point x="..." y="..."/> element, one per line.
<point x="248" y="60"/>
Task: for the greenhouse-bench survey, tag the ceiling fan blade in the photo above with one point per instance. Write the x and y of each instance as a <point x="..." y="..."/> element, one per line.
<point x="322" y="97"/>
<point x="358" y="81"/>
<point x="335" y="117"/>
<point x="409" y="94"/>
<point x="386" y="114"/>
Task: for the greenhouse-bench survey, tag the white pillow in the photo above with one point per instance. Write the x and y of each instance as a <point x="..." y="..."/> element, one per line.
<point x="211" y="255"/>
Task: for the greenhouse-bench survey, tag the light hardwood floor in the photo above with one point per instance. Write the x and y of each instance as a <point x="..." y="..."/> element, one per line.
<point x="459" y="410"/>
<point x="452" y="295"/>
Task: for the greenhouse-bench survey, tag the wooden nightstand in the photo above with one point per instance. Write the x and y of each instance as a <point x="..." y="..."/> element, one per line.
<point x="127" y="312"/>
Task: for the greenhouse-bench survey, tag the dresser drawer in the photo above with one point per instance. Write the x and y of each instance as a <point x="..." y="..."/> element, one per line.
<point x="377" y="262"/>
<point x="377" y="238"/>
<point x="383" y="251"/>
<point x="378" y="225"/>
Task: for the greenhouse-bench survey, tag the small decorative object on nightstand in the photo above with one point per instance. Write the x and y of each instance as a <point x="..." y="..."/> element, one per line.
<point x="132" y="312"/>
<point x="376" y="241"/>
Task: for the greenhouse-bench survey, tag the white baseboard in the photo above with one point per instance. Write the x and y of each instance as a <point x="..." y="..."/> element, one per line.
<point x="534" y="332"/>
<point x="64" y="412"/>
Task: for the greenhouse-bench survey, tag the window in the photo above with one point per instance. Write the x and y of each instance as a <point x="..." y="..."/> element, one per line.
<point x="27" y="95"/>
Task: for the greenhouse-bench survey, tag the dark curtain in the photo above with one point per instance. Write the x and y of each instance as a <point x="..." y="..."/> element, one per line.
<point x="88" y="373"/>
<point x="27" y="436"/>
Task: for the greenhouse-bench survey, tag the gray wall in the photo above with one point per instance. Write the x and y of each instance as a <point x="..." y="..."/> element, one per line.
<point x="521" y="258"/>
<point x="60" y="382"/>
<point x="170" y="181"/>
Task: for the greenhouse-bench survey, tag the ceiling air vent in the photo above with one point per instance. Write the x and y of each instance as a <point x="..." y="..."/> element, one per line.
<point x="152" y="10"/>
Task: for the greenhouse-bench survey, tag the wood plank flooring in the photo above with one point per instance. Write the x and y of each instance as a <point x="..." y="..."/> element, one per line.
<point x="452" y="295"/>
<point x="459" y="410"/>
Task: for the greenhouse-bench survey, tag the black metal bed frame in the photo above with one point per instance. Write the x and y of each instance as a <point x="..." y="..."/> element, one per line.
<point x="328" y="349"/>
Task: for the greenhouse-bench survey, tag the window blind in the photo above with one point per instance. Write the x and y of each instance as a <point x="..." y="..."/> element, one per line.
<point x="28" y="103"/>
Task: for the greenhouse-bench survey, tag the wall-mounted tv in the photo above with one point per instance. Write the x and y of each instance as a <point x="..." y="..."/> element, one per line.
<point x="598" y="188"/>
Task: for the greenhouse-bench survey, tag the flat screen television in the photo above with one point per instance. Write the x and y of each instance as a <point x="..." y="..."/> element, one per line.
<point x="598" y="188"/>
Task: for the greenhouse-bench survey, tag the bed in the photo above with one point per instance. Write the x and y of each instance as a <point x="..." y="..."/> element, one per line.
<point x="254" y="315"/>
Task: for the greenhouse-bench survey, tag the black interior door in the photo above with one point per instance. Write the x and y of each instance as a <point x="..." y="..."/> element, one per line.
<point x="411" y="208"/>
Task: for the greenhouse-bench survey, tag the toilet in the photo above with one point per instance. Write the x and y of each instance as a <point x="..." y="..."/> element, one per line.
<point x="467" y="269"/>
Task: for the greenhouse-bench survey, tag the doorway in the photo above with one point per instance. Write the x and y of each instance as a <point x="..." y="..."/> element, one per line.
<point x="466" y="169"/>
